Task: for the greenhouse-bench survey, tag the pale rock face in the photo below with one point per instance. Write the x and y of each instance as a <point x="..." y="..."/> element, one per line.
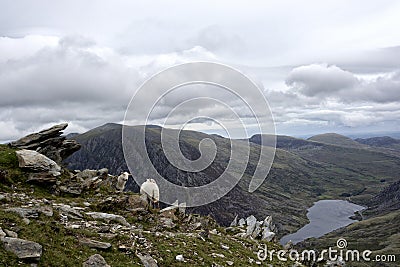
<point x="35" y="161"/>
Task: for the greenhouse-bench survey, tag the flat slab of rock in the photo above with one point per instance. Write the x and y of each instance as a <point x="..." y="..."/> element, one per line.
<point x="147" y="260"/>
<point x="35" y="161"/>
<point x="95" y="260"/>
<point x="108" y="217"/>
<point x="25" y="212"/>
<point x="40" y="136"/>
<point x="24" y="249"/>
<point x="95" y="244"/>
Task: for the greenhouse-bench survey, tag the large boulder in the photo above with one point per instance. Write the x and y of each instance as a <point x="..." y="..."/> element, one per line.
<point x="37" y="162"/>
<point x="49" y="142"/>
<point x="24" y="249"/>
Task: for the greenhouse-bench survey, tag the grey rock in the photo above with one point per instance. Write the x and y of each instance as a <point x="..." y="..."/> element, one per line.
<point x="242" y="222"/>
<point x="108" y="217"/>
<point x="23" y="249"/>
<point x="2" y="234"/>
<point x="70" y="212"/>
<point x="95" y="260"/>
<point x="267" y="234"/>
<point x="179" y="258"/>
<point x="42" y="178"/>
<point x="25" y="212"/>
<point x="257" y="230"/>
<point x="95" y="244"/>
<point x="32" y="160"/>
<point x="11" y="233"/>
<point x="147" y="260"/>
<point x="71" y="190"/>
<point x="251" y="224"/>
<point x="167" y="222"/>
<point x="35" y="138"/>
<point x="234" y="222"/>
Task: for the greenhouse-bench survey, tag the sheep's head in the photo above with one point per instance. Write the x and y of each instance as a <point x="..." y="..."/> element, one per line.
<point x="125" y="176"/>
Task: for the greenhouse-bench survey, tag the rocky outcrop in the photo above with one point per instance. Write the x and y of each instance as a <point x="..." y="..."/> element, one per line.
<point x="49" y="142"/>
<point x="263" y="230"/>
<point x="24" y="249"/>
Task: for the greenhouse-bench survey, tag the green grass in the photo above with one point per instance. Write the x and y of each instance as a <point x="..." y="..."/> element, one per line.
<point x="10" y="173"/>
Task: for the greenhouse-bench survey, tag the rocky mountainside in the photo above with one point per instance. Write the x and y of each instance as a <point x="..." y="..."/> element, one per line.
<point x="386" y="201"/>
<point x="303" y="172"/>
<point x="79" y="219"/>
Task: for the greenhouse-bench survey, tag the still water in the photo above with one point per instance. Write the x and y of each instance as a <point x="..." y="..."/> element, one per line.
<point x="325" y="216"/>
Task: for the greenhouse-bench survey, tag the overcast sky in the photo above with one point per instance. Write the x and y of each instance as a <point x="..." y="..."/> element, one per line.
<point x="324" y="66"/>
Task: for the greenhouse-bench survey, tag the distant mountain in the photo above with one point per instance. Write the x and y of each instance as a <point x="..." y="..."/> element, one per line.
<point x="335" y="139"/>
<point x="384" y="141"/>
<point x="303" y="172"/>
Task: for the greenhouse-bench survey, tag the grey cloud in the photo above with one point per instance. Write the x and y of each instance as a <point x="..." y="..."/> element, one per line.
<point x="323" y="81"/>
<point x="315" y="80"/>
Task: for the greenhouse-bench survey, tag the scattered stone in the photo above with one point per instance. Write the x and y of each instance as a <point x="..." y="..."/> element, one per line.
<point x="25" y="212"/>
<point x="46" y="210"/>
<point x="42" y="178"/>
<point x="95" y="260"/>
<point x="95" y="244"/>
<point x="71" y="190"/>
<point x="32" y="160"/>
<point x="214" y="232"/>
<point x="167" y="222"/>
<point x="2" y="233"/>
<point x="68" y="211"/>
<point x="108" y="217"/>
<point x="147" y="260"/>
<point x="23" y="249"/>
<point x="179" y="258"/>
<point x="11" y="233"/>
<point x="230" y="263"/>
<point x="225" y="247"/>
<point x="217" y="255"/>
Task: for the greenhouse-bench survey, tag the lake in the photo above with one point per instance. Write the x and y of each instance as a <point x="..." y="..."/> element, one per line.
<point x="325" y="216"/>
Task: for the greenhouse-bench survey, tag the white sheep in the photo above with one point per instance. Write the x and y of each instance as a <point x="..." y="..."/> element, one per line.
<point x="121" y="181"/>
<point x="150" y="190"/>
